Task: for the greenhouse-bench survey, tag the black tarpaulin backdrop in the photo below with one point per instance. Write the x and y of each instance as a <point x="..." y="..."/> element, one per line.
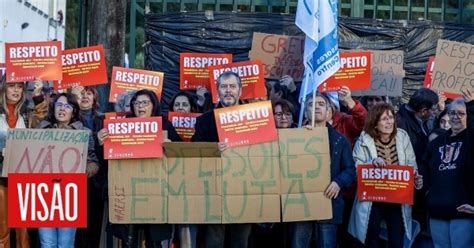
<point x="231" y="32"/>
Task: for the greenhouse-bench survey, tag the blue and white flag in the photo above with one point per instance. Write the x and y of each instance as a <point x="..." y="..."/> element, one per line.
<point x="318" y="20"/>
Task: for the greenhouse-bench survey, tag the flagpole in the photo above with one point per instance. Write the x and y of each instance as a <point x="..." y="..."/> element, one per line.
<point x="313" y="108"/>
<point x="303" y="99"/>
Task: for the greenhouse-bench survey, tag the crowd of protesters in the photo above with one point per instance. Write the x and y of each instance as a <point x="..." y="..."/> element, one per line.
<point x="429" y="133"/>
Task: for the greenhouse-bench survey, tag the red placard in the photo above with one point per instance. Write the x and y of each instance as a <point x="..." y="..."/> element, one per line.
<point x="428" y="78"/>
<point x="354" y="72"/>
<point x="393" y="183"/>
<point x="83" y="66"/>
<point x="183" y="123"/>
<point x="47" y="200"/>
<point x="26" y="61"/>
<point x="251" y="75"/>
<point x="193" y="68"/>
<point x="3" y="69"/>
<point x="247" y="124"/>
<point x="124" y="79"/>
<point x="134" y="138"/>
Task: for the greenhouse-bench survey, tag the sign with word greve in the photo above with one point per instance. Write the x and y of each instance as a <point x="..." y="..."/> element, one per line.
<point x="354" y="72"/>
<point x="125" y="79"/>
<point x="26" y="61"/>
<point x="47" y="200"/>
<point x="280" y="54"/>
<point x="393" y="183"/>
<point x="387" y="74"/>
<point x="83" y="66"/>
<point x="183" y="123"/>
<point x="134" y="138"/>
<point x="251" y="76"/>
<point x="429" y="78"/>
<point x="454" y="67"/>
<point x="45" y="151"/>
<point x="194" y="72"/>
<point x="247" y="124"/>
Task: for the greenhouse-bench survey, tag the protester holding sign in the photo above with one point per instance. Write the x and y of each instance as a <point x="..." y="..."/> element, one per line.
<point x="145" y="104"/>
<point x="12" y="101"/>
<point x="88" y="99"/>
<point x="64" y="114"/>
<point x="229" y="89"/>
<point x="380" y="144"/>
<point x="448" y="166"/>
<point x="342" y="175"/>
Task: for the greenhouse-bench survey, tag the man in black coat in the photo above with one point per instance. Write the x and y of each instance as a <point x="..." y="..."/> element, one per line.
<point x="229" y="89"/>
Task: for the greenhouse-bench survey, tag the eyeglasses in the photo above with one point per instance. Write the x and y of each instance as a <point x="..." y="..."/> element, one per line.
<point x="143" y="103"/>
<point x="389" y="118"/>
<point x="63" y="105"/>
<point x="287" y="115"/>
<point x="374" y="99"/>
<point x="456" y="113"/>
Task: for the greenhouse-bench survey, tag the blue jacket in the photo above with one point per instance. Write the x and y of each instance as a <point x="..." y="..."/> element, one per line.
<point x="342" y="169"/>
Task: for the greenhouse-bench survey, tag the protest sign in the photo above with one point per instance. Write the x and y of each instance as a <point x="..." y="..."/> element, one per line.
<point x="250" y="73"/>
<point x="196" y="183"/>
<point x="83" y="66"/>
<point x="183" y="123"/>
<point x="45" y="151"/>
<point x="428" y="79"/>
<point x="454" y="67"/>
<point x="354" y="73"/>
<point x="125" y="79"/>
<point x="193" y="68"/>
<point x="387" y="74"/>
<point x="393" y="183"/>
<point x="133" y="138"/>
<point x="137" y="191"/>
<point x="305" y="174"/>
<point x="247" y="124"/>
<point x="3" y="69"/>
<point x="26" y="61"/>
<point x="47" y="200"/>
<point x="280" y="54"/>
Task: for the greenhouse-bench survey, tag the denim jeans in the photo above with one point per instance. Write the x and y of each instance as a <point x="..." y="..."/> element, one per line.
<point x="323" y="232"/>
<point x="57" y="237"/>
<point x="238" y="234"/>
<point x="455" y="233"/>
<point x="188" y="235"/>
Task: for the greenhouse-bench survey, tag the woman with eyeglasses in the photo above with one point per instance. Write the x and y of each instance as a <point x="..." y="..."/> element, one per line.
<point x="64" y="114"/>
<point x="448" y="170"/>
<point x="381" y="144"/>
<point x="284" y="114"/>
<point x="144" y="103"/>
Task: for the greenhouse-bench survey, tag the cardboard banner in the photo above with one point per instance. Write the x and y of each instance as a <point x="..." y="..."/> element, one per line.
<point x="248" y="124"/>
<point x="134" y="138"/>
<point x="26" y="61"/>
<point x="45" y="151"/>
<point x="193" y="68"/>
<point x="124" y="79"/>
<point x="428" y="79"/>
<point x="250" y="73"/>
<point x="183" y="123"/>
<point x="454" y="67"/>
<point x="393" y="183"/>
<point x="47" y="200"/>
<point x="354" y="72"/>
<point x="280" y="54"/>
<point x="305" y="174"/>
<point x="83" y="66"/>
<point x="196" y="183"/>
<point x="387" y="74"/>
